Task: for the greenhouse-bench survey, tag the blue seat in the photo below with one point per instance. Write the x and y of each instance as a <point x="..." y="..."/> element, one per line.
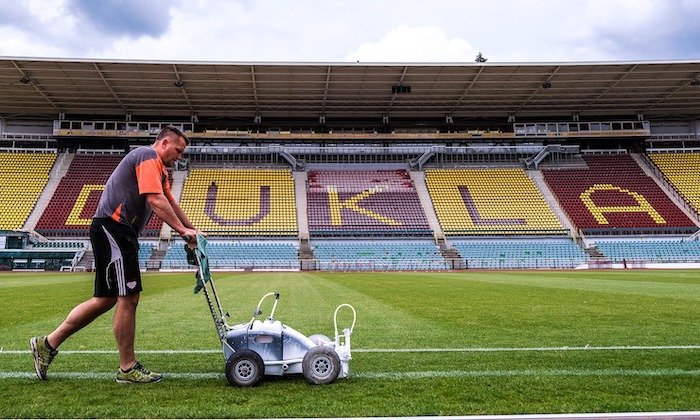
<point x="498" y="254"/>
<point x="381" y="255"/>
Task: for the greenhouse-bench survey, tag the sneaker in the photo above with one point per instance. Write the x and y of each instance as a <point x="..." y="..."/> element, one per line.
<point x="42" y="356"/>
<point x="138" y="375"/>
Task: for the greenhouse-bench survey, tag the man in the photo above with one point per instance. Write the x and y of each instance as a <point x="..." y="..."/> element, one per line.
<point x="137" y="187"/>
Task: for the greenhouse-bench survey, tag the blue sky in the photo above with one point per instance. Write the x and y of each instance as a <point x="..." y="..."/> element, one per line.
<point x="350" y="31"/>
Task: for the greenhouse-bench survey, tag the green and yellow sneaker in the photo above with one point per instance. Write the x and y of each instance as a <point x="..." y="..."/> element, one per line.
<point x="138" y="375"/>
<point x="42" y="356"/>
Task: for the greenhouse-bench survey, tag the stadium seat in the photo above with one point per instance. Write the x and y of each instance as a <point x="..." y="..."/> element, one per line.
<point x="520" y="254"/>
<point x="145" y="251"/>
<point x="239" y="255"/>
<point x="382" y="202"/>
<point x="248" y="202"/>
<point x="74" y="202"/>
<point x="615" y="194"/>
<point x="378" y="255"/>
<point x="490" y="202"/>
<point x="683" y="172"/>
<point x="23" y="177"/>
<point x="650" y="250"/>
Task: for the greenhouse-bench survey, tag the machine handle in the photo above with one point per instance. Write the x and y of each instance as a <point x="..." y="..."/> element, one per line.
<point x="335" y="317"/>
<point x="258" y="309"/>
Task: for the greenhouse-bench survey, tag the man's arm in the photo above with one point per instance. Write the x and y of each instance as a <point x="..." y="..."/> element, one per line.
<point x="172" y="214"/>
<point x="181" y="215"/>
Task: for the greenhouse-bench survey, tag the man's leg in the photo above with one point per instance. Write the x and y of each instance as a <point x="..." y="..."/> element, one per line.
<point x="125" y="329"/>
<point x="45" y="348"/>
<point x="79" y="317"/>
<point x="130" y="370"/>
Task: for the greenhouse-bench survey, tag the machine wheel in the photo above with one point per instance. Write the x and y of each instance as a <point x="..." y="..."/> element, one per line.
<point x="319" y="339"/>
<point x="321" y="365"/>
<point x="245" y="368"/>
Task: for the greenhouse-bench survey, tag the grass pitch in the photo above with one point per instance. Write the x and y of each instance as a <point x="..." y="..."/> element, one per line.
<point x="424" y="344"/>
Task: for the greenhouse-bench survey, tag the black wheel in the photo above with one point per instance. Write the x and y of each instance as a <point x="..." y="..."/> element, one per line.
<point x="321" y="365"/>
<point x="245" y="368"/>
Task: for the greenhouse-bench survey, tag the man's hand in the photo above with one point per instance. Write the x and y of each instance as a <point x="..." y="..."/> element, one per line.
<point x="190" y="236"/>
<point x="172" y="214"/>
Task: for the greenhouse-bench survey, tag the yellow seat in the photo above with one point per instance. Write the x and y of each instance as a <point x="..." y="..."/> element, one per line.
<point x="23" y="177"/>
<point x="683" y="171"/>
<point x="250" y="202"/>
<point x="489" y="201"/>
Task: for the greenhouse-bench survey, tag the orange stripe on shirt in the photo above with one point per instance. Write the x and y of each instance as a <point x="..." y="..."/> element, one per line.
<point x="149" y="174"/>
<point x="117" y="215"/>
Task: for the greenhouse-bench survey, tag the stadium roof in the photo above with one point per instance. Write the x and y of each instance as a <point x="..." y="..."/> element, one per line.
<point x="43" y="88"/>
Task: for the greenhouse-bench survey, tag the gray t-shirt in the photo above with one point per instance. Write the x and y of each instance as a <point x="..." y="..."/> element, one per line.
<point x="124" y="197"/>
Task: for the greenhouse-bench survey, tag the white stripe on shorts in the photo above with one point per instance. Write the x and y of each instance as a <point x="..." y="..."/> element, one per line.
<point x="118" y="261"/>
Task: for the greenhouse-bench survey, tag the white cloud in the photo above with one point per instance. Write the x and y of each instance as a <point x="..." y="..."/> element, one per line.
<point x="423" y="43"/>
<point x="231" y="31"/>
<point x="633" y="29"/>
<point x="18" y="43"/>
<point x="46" y="11"/>
<point x="189" y="36"/>
<point x="364" y="30"/>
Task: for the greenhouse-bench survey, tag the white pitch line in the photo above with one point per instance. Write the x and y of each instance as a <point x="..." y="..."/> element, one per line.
<point x="204" y="351"/>
<point x="399" y="375"/>
<point x="418" y="350"/>
<point x="528" y="372"/>
<point x="526" y="349"/>
<point x="107" y="375"/>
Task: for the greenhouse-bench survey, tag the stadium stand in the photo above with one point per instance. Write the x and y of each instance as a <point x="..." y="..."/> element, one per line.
<point x="23" y="177"/>
<point x="367" y="202"/>
<point x="239" y="255"/>
<point x="682" y="170"/>
<point x="501" y="201"/>
<point x="378" y="255"/>
<point x="615" y="196"/>
<point x="387" y="183"/>
<point x="526" y="253"/>
<point x="650" y="250"/>
<point x="234" y="202"/>
<point x="60" y="244"/>
<point x="51" y="260"/>
<point x="74" y="202"/>
<point x="145" y="250"/>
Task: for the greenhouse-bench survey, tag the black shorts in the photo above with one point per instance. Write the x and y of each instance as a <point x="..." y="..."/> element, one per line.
<point x="116" y="250"/>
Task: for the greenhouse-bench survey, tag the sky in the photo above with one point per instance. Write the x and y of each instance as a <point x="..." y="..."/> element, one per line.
<point x="445" y="31"/>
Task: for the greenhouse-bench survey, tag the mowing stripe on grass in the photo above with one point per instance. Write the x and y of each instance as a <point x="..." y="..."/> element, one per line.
<point x="423" y="350"/>
<point x="431" y="374"/>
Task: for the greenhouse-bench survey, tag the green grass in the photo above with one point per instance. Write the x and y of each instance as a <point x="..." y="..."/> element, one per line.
<point x="472" y="313"/>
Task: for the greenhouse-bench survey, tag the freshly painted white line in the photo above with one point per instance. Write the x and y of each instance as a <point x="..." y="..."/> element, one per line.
<point x="525" y="349"/>
<point x="527" y="372"/>
<point x="204" y="351"/>
<point x="398" y="375"/>
<point x="107" y="375"/>
<point x="666" y="415"/>
<point x="423" y="350"/>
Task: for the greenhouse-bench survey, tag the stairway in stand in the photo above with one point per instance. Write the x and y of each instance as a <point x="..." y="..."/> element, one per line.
<point x="155" y="260"/>
<point x="451" y="255"/>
